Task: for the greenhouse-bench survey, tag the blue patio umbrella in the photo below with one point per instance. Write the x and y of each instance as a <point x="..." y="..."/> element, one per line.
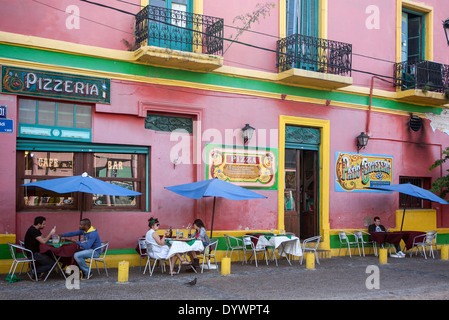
<point x="82" y="183"/>
<point x="214" y="188"/>
<point x="411" y="190"/>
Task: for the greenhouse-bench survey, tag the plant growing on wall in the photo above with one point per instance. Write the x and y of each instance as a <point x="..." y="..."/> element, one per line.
<point x="441" y="185"/>
<point x="248" y="19"/>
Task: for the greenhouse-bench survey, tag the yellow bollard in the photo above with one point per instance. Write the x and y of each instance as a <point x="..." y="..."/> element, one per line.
<point x="383" y="256"/>
<point x="310" y="260"/>
<point x="445" y="252"/>
<point x="123" y="271"/>
<point x="225" y="266"/>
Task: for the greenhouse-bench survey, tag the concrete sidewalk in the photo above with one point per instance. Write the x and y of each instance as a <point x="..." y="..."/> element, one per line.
<point x="336" y="278"/>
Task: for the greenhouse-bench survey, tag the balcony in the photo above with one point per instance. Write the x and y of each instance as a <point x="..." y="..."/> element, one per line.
<point x="179" y="39"/>
<point x="423" y="82"/>
<point x="311" y="61"/>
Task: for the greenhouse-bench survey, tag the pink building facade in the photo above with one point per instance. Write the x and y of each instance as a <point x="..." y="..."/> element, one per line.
<point x="144" y="96"/>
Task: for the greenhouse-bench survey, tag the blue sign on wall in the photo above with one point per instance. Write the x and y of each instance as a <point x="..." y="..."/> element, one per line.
<point x="3" y="112"/>
<point x="6" y="125"/>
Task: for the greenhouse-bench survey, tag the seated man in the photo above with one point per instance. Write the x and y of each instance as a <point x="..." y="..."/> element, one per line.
<point x="90" y="242"/>
<point x="377" y="227"/>
<point x="33" y="238"/>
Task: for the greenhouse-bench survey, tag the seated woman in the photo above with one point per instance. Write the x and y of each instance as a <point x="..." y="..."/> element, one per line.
<point x="200" y="234"/>
<point x="160" y="249"/>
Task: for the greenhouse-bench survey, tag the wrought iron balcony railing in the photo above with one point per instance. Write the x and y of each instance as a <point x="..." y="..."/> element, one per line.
<point x="179" y="30"/>
<point x="314" y="54"/>
<point x="426" y="75"/>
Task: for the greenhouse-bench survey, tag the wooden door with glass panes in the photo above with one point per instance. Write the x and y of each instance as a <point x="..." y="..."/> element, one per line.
<point x="301" y="192"/>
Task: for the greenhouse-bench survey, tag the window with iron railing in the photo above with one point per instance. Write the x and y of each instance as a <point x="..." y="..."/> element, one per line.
<point x="179" y="30"/>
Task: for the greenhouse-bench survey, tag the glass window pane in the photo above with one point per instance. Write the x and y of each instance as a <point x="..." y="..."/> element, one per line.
<point x="46" y="113"/>
<point x="42" y="163"/>
<point x="38" y="197"/>
<point x="65" y="115"/>
<point x="117" y="201"/>
<point x="115" y="165"/>
<point x="27" y="111"/>
<point x="83" y="117"/>
<point x="290" y="158"/>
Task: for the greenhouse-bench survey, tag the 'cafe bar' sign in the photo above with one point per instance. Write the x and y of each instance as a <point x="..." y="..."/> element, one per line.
<point x="55" y="85"/>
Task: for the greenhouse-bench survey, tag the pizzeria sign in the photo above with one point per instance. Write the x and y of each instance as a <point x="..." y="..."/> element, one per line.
<point x="55" y="85"/>
<point x="356" y="171"/>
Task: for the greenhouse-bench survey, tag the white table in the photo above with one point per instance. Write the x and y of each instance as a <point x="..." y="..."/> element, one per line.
<point x="181" y="247"/>
<point x="285" y="245"/>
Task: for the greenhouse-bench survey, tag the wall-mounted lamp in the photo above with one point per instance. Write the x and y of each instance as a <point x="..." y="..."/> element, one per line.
<point x="446" y="29"/>
<point x="247" y="133"/>
<point x="362" y="141"/>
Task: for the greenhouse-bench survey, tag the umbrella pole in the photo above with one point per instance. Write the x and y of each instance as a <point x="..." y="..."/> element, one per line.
<point x="403" y="213"/>
<point x="212" y="224"/>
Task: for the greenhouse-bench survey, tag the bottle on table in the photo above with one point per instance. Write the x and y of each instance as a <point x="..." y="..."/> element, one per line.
<point x="170" y="233"/>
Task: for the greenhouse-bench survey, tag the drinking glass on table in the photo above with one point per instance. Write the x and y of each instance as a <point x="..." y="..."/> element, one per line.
<point x="55" y="239"/>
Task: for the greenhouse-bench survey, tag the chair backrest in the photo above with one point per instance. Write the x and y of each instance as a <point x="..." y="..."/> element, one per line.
<point x="142" y="245"/>
<point x="342" y="236"/>
<point x="358" y="235"/>
<point x="149" y="247"/>
<point x="13" y="247"/>
<point x="247" y="241"/>
<point x="213" y="247"/>
<point x="230" y="239"/>
<point x="431" y="237"/>
<point x="103" y="248"/>
<point x="315" y="239"/>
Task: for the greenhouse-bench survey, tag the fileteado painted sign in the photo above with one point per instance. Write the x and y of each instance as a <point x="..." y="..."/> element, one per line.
<point x="55" y="85"/>
<point x="243" y="166"/>
<point x="355" y="171"/>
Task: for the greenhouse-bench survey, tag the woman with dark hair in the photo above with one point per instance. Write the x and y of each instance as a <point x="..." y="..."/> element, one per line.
<point x="160" y="249"/>
<point x="200" y="234"/>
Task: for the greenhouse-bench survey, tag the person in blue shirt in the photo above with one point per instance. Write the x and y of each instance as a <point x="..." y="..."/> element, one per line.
<point x="90" y="242"/>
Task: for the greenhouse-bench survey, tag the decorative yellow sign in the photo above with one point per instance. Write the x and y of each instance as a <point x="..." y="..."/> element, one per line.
<point x="355" y="171"/>
<point x="246" y="167"/>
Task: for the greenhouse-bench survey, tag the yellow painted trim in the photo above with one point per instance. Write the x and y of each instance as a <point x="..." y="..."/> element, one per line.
<point x="282" y="18"/>
<point x="323" y="17"/>
<point x="144" y="3"/>
<point x="186" y="84"/>
<point x="418" y="7"/>
<point x="324" y="161"/>
<point x="113" y="54"/>
<point x="198" y="6"/>
<point x="398" y="32"/>
<point x="7" y="238"/>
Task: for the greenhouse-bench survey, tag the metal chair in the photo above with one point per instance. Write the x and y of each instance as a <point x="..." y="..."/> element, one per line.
<point x="143" y="253"/>
<point x="208" y="253"/>
<point x="248" y="245"/>
<point x="305" y="248"/>
<point x="103" y="249"/>
<point x="152" y="256"/>
<point x="22" y="244"/>
<point x="237" y="245"/>
<point x="26" y="259"/>
<point x="425" y="241"/>
<point x="358" y="234"/>
<point x="344" y="240"/>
